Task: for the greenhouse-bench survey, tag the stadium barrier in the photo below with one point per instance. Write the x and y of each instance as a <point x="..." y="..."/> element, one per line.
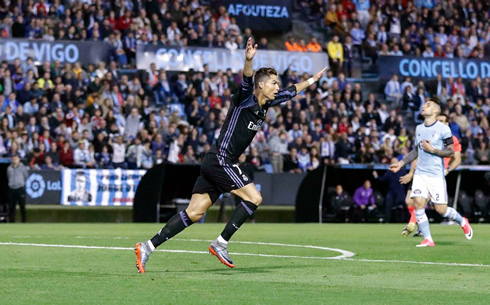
<point x="312" y="199"/>
<point x="157" y="189"/>
<point x="156" y="196"/>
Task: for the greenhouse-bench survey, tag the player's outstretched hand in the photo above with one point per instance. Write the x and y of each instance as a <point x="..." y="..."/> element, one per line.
<point x="319" y="74"/>
<point x="406" y="179"/>
<point x="250" y="50"/>
<point x="396" y="167"/>
<point x="427" y="146"/>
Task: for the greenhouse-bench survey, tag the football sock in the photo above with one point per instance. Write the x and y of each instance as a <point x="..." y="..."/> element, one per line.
<point x="241" y="213"/>
<point x="423" y="223"/>
<point x="412" y="214"/>
<point x="453" y="215"/>
<point x="174" y="226"/>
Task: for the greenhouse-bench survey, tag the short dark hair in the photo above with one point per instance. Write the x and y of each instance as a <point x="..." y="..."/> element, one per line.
<point x="263" y="74"/>
<point x="435" y="100"/>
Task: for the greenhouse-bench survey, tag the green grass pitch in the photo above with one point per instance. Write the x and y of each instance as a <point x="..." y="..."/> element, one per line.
<point x="386" y="268"/>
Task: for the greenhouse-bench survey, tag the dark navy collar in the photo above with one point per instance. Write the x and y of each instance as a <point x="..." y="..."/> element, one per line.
<point x="431" y="124"/>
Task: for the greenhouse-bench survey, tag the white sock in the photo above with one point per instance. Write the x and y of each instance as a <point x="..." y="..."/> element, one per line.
<point x="222" y="240"/>
<point x="150" y="244"/>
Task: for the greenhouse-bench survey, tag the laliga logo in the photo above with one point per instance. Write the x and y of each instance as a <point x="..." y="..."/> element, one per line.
<point x="35" y="186"/>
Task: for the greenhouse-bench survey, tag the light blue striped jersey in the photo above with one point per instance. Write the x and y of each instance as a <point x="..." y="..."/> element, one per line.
<point x="429" y="164"/>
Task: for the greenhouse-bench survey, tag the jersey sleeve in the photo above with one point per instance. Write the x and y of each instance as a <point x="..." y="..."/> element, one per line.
<point x="247" y="87"/>
<point x="447" y="136"/>
<point x="284" y="95"/>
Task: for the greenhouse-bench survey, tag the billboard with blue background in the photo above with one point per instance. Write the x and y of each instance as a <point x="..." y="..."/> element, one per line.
<point x="429" y="68"/>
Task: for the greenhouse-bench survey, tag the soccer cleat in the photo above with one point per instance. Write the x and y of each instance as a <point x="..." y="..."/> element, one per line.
<point x="409" y="229"/>
<point x="142" y="255"/>
<point x="468" y="231"/>
<point x="220" y="250"/>
<point x="418" y="233"/>
<point x="426" y="243"/>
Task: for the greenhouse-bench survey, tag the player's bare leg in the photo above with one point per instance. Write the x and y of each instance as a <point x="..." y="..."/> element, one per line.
<point x="423" y="221"/>
<point x="452" y="214"/>
<point x="251" y="199"/>
<point x="199" y="204"/>
<point x="412" y="223"/>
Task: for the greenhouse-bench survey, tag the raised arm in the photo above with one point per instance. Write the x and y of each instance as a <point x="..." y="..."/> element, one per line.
<point x="315" y="78"/>
<point x="250" y="51"/>
<point x="291" y="91"/>
<point x="247" y="88"/>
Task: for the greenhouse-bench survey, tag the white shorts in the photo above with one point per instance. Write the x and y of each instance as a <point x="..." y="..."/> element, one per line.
<point x="423" y="186"/>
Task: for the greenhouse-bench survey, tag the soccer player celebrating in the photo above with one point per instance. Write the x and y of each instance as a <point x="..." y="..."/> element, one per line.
<point x="220" y="171"/>
<point x="434" y="141"/>
<point x="450" y="164"/>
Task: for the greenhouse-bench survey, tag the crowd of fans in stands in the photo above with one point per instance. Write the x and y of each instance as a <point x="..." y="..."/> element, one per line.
<point x="447" y="29"/>
<point x="98" y="117"/>
<point x="453" y="29"/>
<point x="125" y="24"/>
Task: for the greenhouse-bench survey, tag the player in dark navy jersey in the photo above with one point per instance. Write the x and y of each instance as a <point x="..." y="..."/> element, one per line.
<point x="220" y="171"/>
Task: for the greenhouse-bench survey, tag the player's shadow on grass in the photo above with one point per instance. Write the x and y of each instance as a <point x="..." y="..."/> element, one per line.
<point x="230" y="271"/>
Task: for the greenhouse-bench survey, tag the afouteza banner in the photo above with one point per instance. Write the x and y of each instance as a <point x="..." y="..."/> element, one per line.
<point x="63" y="51"/>
<point x="104" y="187"/>
<point x="420" y="67"/>
<point x="183" y="59"/>
<point x="270" y="15"/>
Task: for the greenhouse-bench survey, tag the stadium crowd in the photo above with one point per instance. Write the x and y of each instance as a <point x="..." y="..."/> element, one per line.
<point x="448" y="29"/>
<point x="453" y="29"/>
<point x="99" y="117"/>
<point x="125" y="24"/>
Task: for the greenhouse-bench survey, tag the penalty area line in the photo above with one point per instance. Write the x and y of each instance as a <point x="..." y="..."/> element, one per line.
<point x="339" y="258"/>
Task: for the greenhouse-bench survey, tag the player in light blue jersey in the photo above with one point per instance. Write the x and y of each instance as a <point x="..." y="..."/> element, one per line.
<point x="434" y="142"/>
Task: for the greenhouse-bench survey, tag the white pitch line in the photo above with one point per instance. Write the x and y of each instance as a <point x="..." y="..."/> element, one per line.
<point x="255" y="254"/>
<point x="181" y="251"/>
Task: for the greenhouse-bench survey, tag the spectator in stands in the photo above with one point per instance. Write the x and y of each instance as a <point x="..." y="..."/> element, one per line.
<point x="291" y="45"/>
<point x="49" y="165"/>
<point x="393" y="90"/>
<point x="314" y="46"/>
<point x="291" y="162"/>
<point x="119" y="153"/>
<point x="335" y="55"/>
<point x="81" y="156"/>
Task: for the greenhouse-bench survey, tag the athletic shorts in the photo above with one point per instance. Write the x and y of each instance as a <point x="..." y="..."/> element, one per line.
<point x="432" y="188"/>
<point x="219" y="175"/>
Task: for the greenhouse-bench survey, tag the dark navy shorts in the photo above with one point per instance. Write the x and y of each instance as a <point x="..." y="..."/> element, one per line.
<point x="219" y="175"/>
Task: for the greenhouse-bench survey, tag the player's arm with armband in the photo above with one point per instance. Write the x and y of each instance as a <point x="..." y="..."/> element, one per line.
<point x="447" y="152"/>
